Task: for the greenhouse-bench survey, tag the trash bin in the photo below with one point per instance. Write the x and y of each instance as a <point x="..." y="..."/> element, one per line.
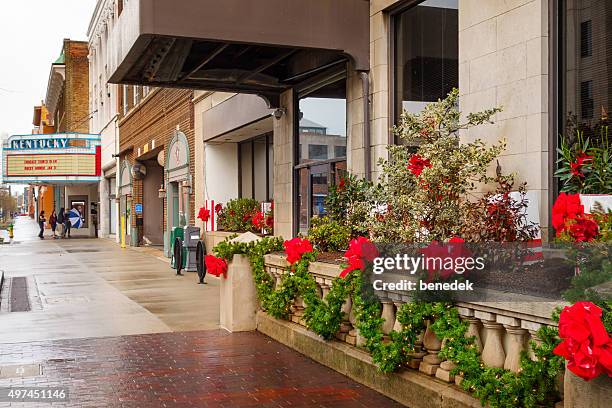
<point x="190" y="244"/>
<point x="177" y="251"/>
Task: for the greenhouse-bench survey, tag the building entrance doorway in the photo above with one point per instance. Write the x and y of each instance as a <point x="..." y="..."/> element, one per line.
<point x="153" y="210"/>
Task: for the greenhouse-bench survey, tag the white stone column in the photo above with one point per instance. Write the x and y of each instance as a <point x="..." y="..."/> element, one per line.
<point x="283" y="168"/>
<point x="238" y="294"/>
<point x="103" y="209"/>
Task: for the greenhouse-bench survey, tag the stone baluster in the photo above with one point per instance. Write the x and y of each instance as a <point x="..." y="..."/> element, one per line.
<point x="444" y="371"/>
<point x="388" y="313"/>
<point x="325" y="288"/>
<point x="320" y="282"/>
<point x="298" y="311"/>
<point x="345" y="326"/>
<point x="397" y="326"/>
<point x="493" y="354"/>
<point x="532" y="328"/>
<point x="473" y="329"/>
<point x="516" y="345"/>
<point x="432" y="344"/>
<point x="277" y="274"/>
<point x="351" y="336"/>
<point x="416" y="357"/>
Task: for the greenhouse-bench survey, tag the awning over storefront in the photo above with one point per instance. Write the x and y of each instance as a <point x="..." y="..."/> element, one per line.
<point x="248" y="46"/>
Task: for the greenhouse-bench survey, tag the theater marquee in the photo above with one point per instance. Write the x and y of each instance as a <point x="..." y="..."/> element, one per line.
<point x="52" y="158"/>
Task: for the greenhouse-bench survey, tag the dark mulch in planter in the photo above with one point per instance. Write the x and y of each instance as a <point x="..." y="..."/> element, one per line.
<point x="335" y="258"/>
<point x="549" y="281"/>
<point x="331" y="257"/>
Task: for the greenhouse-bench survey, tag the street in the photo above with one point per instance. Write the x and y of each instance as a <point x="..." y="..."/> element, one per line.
<point x="117" y="327"/>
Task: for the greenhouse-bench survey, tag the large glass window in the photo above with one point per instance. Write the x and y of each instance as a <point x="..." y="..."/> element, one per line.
<point x="256" y="163"/>
<point x="321" y="145"/>
<point x="426" y="43"/>
<point x="585" y="50"/>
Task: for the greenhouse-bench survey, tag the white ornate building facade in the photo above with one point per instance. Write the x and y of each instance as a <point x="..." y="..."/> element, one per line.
<point x="103" y="105"/>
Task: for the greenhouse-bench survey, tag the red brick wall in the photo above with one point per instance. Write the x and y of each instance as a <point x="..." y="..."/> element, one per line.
<point x="76" y="87"/>
<point x="156" y="118"/>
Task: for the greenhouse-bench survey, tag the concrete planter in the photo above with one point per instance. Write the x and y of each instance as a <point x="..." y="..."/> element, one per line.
<point x="586" y="394"/>
<point x="212" y="238"/>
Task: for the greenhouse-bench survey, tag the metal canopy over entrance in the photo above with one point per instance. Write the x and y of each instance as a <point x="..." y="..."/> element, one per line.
<point x="248" y="46"/>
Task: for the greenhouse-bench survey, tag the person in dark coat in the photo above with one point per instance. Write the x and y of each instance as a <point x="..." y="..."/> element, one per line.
<point x="67" y="224"/>
<point x="41" y="223"/>
<point x="60" y="222"/>
<point x="53" y="222"/>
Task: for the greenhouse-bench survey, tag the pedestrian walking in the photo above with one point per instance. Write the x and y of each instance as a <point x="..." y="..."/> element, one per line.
<point x="67" y="224"/>
<point x="53" y="222"/>
<point x="41" y="223"/>
<point x="60" y="223"/>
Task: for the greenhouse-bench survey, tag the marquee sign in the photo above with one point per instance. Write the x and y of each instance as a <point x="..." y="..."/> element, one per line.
<point x="52" y="158"/>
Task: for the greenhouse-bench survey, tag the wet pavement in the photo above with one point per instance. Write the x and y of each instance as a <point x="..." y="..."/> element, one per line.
<point x="117" y="328"/>
<point x="188" y="369"/>
<point x="92" y="288"/>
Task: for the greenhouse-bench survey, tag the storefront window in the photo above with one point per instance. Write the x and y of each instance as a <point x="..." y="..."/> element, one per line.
<point x="585" y="50"/>
<point x="321" y="146"/>
<point x="426" y="43"/>
<point x="256" y="168"/>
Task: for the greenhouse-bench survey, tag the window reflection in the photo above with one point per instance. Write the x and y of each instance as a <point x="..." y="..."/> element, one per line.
<point x="586" y="77"/>
<point x="321" y="141"/>
<point x="426" y="54"/>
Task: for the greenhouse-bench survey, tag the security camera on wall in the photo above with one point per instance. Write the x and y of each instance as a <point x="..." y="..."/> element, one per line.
<point x="278" y="113"/>
<point x="139" y="171"/>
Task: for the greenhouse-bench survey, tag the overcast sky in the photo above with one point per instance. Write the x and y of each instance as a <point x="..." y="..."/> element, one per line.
<point x="31" y="34"/>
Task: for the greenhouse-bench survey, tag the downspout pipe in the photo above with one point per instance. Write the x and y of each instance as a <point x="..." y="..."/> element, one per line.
<point x="367" y="157"/>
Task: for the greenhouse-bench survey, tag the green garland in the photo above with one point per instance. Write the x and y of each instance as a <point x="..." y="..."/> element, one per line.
<point x="534" y="385"/>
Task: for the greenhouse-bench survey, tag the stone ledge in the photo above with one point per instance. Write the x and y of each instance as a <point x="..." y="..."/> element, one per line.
<point x="407" y="387"/>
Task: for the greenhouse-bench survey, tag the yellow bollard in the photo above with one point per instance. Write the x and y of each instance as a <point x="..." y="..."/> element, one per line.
<point x="122" y="231"/>
<point x="10" y="231"/>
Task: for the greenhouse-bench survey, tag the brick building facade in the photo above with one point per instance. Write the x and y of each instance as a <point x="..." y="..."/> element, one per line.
<point x="149" y="123"/>
<point x="72" y="112"/>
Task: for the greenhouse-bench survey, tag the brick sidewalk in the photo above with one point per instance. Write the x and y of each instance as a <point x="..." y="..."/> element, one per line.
<point x="186" y="369"/>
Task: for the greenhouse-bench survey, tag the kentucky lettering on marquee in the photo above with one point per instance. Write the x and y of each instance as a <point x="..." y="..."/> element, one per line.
<point x="24" y="144"/>
<point x="47" y="158"/>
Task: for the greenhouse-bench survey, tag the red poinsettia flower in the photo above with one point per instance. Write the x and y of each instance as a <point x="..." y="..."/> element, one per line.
<point x="204" y="214"/>
<point x="417" y="163"/>
<point x="360" y="250"/>
<point x="341" y="184"/>
<point x="354" y="263"/>
<point x="584" y="229"/>
<point x="566" y="207"/>
<point x="218" y="208"/>
<point x="586" y="345"/>
<point x="258" y="220"/>
<point x="215" y="266"/>
<point x="455" y="248"/>
<point x="576" y="167"/>
<point x="295" y="248"/>
<point x="363" y="248"/>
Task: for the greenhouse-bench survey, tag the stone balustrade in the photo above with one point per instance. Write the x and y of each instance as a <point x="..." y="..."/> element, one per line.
<point x="501" y="329"/>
